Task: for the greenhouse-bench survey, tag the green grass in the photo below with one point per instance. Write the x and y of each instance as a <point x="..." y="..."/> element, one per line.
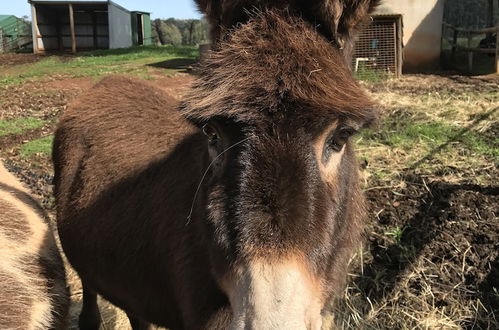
<point x="370" y="75"/>
<point x="428" y="136"/>
<point x="19" y="125"/>
<point x="396" y="233"/>
<point x="134" y="60"/>
<point x="41" y="146"/>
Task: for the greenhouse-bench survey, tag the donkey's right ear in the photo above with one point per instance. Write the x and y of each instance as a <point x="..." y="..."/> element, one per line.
<point x="212" y="8"/>
<point x="202" y="4"/>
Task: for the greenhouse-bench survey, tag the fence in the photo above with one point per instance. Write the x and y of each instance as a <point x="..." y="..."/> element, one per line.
<point x="15" y="35"/>
<point x="466" y="45"/>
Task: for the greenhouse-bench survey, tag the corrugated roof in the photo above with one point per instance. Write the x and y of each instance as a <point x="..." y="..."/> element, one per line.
<point x="2" y="17"/>
<point x="73" y="2"/>
<point x="68" y="1"/>
<point x="77" y="2"/>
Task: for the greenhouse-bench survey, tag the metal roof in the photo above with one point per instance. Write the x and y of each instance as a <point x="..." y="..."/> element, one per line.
<point x="2" y="17"/>
<point x="66" y="2"/>
<point x="84" y="2"/>
<point x="77" y="2"/>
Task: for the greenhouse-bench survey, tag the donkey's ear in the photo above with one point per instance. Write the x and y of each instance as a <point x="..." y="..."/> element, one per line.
<point x="203" y="5"/>
<point x="213" y="13"/>
<point x="355" y="13"/>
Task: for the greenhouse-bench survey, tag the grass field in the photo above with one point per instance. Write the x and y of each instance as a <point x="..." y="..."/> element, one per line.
<point x="430" y="259"/>
<point x="133" y="61"/>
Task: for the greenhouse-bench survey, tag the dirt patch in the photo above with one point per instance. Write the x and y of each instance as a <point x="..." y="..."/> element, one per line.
<point x="82" y="83"/>
<point x="418" y="84"/>
<point x="454" y="226"/>
<point x="17" y="59"/>
<point x="33" y="100"/>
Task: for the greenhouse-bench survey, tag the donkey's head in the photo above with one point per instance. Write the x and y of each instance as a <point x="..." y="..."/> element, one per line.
<point x="278" y="107"/>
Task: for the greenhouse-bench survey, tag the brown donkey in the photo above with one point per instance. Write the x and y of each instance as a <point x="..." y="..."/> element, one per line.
<point x="238" y="209"/>
<point x="33" y="293"/>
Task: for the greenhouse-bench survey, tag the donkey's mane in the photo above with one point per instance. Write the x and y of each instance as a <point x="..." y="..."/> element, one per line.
<point x="273" y="66"/>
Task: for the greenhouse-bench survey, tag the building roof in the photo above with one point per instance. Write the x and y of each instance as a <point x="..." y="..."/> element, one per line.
<point x="2" y="17"/>
<point x="80" y="2"/>
<point x="56" y="2"/>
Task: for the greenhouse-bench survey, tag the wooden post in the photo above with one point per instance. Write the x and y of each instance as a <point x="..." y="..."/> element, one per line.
<point x="1" y="41"/>
<point x="142" y="28"/>
<point x="60" y="41"/>
<point x="490" y="17"/>
<point x="400" y="58"/>
<point x="470" y="53"/>
<point x="94" y="29"/>
<point x="34" y="29"/>
<point x="497" y="50"/>
<point x="72" y="27"/>
<point x="454" y="45"/>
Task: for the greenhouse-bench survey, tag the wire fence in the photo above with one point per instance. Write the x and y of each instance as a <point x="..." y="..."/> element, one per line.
<point x="376" y="52"/>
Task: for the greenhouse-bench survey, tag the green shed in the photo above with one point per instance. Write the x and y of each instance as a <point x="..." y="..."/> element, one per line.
<point x="14" y="33"/>
<point x="141" y="28"/>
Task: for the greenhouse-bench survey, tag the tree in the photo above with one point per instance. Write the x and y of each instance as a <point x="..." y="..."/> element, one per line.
<point x="155" y="31"/>
<point x="170" y="34"/>
<point x="176" y="32"/>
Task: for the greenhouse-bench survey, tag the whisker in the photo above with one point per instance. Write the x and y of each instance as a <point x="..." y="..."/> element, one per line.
<point x="206" y="172"/>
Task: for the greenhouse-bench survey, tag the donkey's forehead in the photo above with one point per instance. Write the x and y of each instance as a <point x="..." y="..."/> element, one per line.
<point x="272" y="67"/>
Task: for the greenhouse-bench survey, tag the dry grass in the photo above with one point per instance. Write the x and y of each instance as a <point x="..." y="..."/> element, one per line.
<point x="455" y="120"/>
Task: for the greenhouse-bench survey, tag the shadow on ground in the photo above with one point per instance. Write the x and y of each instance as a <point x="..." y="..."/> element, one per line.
<point x="184" y="65"/>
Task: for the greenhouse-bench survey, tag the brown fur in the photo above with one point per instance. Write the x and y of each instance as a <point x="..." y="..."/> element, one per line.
<point x="33" y="293"/>
<point x="159" y="218"/>
<point x="337" y="20"/>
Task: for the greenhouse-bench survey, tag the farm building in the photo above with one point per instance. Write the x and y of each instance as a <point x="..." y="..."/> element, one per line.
<point x="403" y="35"/>
<point x="84" y="25"/>
<point x="141" y="28"/>
<point x="15" y="33"/>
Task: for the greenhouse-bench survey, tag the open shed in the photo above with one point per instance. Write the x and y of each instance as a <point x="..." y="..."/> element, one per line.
<point x="85" y="25"/>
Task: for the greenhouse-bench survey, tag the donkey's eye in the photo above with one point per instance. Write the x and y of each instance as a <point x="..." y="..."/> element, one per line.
<point x="336" y="141"/>
<point x="211" y="133"/>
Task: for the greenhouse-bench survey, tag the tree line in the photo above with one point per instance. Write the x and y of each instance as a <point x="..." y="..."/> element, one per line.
<point x="179" y="31"/>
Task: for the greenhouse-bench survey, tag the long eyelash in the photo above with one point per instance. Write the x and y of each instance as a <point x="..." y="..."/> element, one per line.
<point x="206" y="172"/>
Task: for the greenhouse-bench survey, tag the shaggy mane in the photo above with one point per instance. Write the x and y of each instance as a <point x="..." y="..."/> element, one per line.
<point x="276" y="66"/>
<point x="338" y="20"/>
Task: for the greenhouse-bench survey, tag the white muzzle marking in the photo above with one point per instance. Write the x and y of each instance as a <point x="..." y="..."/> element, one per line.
<point x="275" y="296"/>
